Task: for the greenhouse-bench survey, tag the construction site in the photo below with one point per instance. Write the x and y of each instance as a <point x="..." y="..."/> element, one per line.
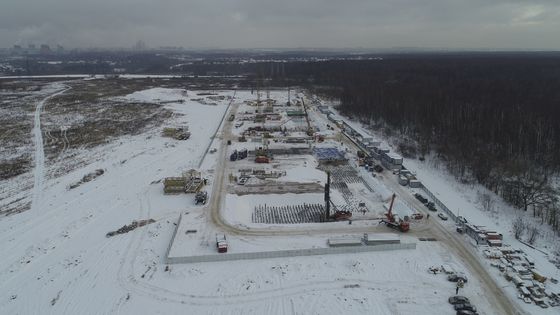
<point x="273" y="149"/>
<point x="266" y="199"/>
<point x="287" y="167"/>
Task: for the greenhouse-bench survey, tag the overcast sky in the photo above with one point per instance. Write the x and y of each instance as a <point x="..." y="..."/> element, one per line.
<point x="454" y="24"/>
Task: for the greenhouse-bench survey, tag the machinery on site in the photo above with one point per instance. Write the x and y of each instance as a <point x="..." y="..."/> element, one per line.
<point x="393" y="220"/>
<point x="201" y="197"/>
<point x="338" y="215"/>
<point x="238" y="155"/>
<point x="221" y="243"/>
<point x="262" y="154"/>
<point x="309" y="128"/>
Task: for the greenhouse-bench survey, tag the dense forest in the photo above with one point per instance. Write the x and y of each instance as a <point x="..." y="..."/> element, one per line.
<point x="493" y="118"/>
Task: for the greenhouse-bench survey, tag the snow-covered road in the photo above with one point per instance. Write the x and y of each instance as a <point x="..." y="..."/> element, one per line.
<point x="39" y="171"/>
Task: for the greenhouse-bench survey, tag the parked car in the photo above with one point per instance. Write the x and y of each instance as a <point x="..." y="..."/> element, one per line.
<point x="417" y="216"/>
<point x="378" y="168"/>
<point x="461" y="219"/>
<point x="468" y="307"/>
<point x="456" y="276"/>
<point x="458" y="299"/>
<point x="421" y="198"/>
<point x="442" y="216"/>
<point x="431" y="206"/>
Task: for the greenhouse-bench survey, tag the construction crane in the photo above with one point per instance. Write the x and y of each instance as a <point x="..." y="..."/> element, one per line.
<point x="338" y="215"/>
<point x="394" y="221"/>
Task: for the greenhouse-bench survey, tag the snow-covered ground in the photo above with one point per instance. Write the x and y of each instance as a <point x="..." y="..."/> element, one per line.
<point x="57" y="260"/>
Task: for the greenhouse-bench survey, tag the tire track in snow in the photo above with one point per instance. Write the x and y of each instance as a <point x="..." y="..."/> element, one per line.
<point x="40" y="150"/>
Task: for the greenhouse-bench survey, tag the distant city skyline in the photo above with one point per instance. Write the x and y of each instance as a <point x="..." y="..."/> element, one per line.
<point x="245" y="24"/>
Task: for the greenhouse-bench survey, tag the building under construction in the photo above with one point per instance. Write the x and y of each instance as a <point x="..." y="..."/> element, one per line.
<point x="190" y="182"/>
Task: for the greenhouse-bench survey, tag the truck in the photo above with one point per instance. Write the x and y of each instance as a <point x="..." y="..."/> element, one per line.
<point x="233" y="156"/>
<point x="221" y="243"/>
<point x="201" y="197"/>
<point x="242" y="154"/>
<point x="394" y="221"/>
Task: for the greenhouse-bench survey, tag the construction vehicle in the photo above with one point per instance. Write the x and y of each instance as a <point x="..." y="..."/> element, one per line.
<point x="238" y="155"/>
<point x="262" y="159"/>
<point x="262" y="154"/>
<point x="393" y="221"/>
<point x="201" y="197"/>
<point x="338" y="215"/>
<point x="242" y="154"/>
<point x="221" y="243"/>
<point x="341" y="215"/>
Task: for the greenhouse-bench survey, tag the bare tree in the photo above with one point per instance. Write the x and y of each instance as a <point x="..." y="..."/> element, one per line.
<point x="486" y="201"/>
<point x="533" y="234"/>
<point x="519" y="226"/>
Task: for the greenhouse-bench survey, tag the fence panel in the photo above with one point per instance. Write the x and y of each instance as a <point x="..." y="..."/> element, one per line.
<point x="288" y="253"/>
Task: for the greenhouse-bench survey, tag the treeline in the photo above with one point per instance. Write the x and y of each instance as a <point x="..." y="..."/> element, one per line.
<point x="493" y="118"/>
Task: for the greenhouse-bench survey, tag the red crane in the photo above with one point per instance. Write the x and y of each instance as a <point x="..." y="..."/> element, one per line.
<point x="393" y="221"/>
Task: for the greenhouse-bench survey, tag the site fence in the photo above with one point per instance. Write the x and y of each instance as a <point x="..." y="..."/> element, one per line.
<point x="289" y="253"/>
<point x="440" y="204"/>
<point x="173" y="236"/>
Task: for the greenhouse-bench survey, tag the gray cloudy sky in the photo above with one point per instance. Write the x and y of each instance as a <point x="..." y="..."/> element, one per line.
<point x="456" y="24"/>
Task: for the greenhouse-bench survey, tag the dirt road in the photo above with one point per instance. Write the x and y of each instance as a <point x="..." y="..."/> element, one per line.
<point x="39" y="171"/>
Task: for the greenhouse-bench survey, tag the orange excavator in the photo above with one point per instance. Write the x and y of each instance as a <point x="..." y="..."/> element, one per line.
<point x="394" y="221"/>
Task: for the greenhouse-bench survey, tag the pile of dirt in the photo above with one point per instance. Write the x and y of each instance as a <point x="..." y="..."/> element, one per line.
<point x="127" y="228"/>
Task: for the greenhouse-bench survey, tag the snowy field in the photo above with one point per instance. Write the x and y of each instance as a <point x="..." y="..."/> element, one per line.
<point x="57" y="259"/>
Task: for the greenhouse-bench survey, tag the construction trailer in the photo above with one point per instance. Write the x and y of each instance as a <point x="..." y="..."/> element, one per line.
<point x="391" y="161"/>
